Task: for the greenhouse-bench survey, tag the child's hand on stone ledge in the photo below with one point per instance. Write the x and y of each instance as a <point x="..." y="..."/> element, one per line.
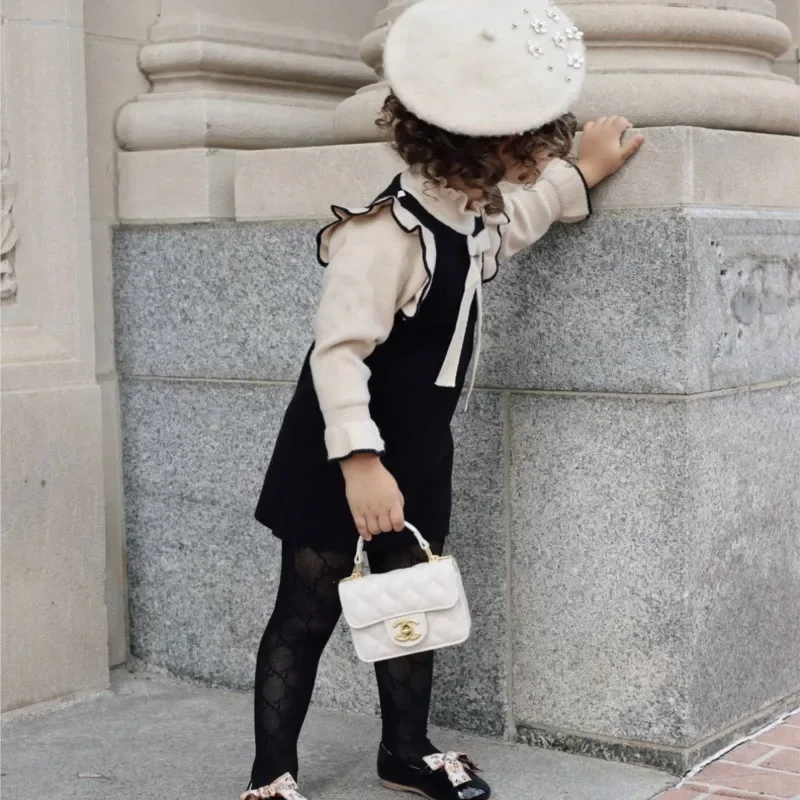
<point x="602" y="152"/>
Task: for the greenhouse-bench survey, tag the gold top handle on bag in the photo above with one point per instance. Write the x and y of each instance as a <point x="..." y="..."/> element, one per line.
<point x="358" y="570"/>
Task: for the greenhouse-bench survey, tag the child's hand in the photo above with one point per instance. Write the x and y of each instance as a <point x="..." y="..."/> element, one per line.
<point x="601" y="152"/>
<point x="374" y="496"/>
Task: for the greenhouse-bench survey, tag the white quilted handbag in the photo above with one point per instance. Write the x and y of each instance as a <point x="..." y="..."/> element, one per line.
<point x="406" y="611"/>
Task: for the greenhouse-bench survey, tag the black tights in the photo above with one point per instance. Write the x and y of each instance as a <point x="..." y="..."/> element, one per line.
<point x="307" y="610"/>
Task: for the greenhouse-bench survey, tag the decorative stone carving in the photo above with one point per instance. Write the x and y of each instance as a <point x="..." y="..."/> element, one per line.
<point x="237" y="83"/>
<point x="660" y="63"/>
<point x="8" y="277"/>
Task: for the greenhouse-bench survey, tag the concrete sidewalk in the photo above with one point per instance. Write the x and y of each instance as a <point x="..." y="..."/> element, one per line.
<point x="152" y="737"/>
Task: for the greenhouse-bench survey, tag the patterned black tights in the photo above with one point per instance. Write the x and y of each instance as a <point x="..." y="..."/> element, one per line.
<point x="306" y="612"/>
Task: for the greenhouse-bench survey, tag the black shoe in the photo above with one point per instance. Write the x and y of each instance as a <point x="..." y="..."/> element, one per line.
<point x="453" y="778"/>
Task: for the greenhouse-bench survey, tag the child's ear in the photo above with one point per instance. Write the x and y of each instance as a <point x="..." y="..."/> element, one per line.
<point x="503" y="146"/>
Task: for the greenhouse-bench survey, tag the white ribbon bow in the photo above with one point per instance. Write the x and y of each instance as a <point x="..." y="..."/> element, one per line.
<point x="285" y="787"/>
<point x="454" y="764"/>
<point x="478" y="245"/>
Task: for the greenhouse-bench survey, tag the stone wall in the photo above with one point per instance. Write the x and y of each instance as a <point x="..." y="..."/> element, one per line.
<point x="626" y="484"/>
<point x="255" y="36"/>
<point x="219" y="74"/>
<point x="54" y="633"/>
<point x="114" y="32"/>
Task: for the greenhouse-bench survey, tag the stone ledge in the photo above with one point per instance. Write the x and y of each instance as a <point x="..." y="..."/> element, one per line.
<point x="173" y="186"/>
<point x="677" y="167"/>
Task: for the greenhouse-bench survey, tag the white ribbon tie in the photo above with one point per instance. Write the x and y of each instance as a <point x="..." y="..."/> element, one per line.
<point x="454" y="764"/>
<point x="284" y="788"/>
<point x="478" y="245"/>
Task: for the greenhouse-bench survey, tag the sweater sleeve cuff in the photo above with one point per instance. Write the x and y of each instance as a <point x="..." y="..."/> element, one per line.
<point x="572" y="190"/>
<point x="351" y="438"/>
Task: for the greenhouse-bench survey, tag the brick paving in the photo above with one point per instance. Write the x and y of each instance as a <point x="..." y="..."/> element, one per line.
<point x="764" y="768"/>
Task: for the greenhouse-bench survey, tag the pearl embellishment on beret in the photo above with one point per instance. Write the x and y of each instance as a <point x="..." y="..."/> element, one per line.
<point x="559" y="39"/>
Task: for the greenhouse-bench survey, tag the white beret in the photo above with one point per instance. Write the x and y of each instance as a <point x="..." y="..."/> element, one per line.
<point x="485" y="67"/>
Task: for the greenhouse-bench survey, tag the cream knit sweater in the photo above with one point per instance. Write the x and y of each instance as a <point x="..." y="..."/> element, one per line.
<point x="376" y="269"/>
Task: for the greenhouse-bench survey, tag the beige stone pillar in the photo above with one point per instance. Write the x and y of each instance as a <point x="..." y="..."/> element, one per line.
<point x="54" y="633"/>
<point x="228" y="75"/>
<point x="789" y="63"/>
<point x="355" y="117"/>
<point x="115" y="30"/>
<point x="660" y="63"/>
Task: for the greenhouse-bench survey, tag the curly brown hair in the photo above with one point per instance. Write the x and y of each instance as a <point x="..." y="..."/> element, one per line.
<point x="474" y="160"/>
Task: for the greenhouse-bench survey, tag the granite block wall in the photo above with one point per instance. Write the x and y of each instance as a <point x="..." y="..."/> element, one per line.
<point x="627" y="481"/>
<point x="656" y="563"/>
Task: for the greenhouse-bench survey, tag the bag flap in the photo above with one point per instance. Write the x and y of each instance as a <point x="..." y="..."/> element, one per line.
<point x="425" y="587"/>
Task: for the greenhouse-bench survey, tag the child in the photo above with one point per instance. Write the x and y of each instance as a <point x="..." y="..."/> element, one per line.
<point x="480" y="95"/>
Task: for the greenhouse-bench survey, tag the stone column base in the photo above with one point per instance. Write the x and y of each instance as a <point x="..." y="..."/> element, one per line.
<point x="656" y="62"/>
<point x="55" y="632"/>
<point x="203" y="184"/>
<point x="627" y="479"/>
<point x="678" y="166"/>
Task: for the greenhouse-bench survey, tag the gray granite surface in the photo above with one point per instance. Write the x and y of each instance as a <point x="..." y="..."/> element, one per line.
<point x="594" y="307"/>
<point x="664" y="302"/>
<point x="658" y="301"/>
<point x="203" y="574"/>
<point x="471" y="689"/>
<point x="215" y="301"/>
<point x="743" y="523"/>
<point x="656" y="553"/>
<point x="601" y="633"/>
<point x="155" y="739"/>
<point x="645" y="547"/>
<point x="743" y="298"/>
<point x="204" y="441"/>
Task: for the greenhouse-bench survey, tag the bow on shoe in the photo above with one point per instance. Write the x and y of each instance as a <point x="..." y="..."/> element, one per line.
<point x="454" y="764"/>
<point x="285" y="788"/>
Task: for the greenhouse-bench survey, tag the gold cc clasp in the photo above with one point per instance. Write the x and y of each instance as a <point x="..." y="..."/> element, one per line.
<point x="407" y="631"/>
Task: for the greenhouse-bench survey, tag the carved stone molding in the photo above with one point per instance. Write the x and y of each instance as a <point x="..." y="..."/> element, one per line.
<point x="660" y="63"/>
<point x="222" y="88"/>
<point x="355" y="117"/>
<point x="8" y="276"/>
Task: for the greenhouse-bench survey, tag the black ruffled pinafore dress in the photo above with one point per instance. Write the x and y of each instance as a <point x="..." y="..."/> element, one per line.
<point x="303" y="499"/>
